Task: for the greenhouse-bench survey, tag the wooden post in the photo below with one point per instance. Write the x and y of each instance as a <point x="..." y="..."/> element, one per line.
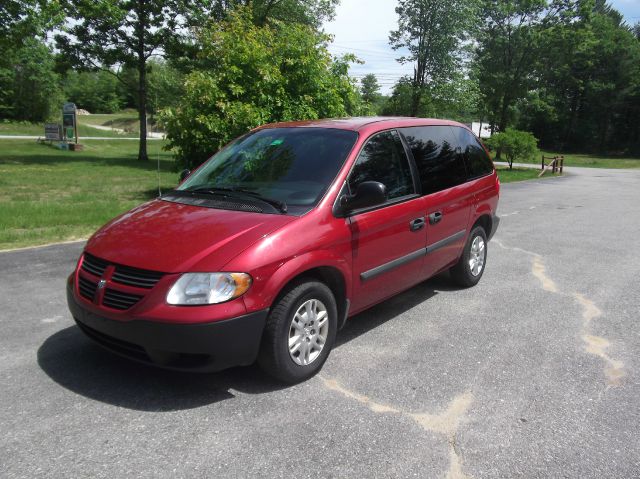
<point x="542" y="166"/>
<point x="561" y="164"/>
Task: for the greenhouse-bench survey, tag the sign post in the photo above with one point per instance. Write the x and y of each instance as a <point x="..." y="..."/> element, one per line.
<point x="70" y="125"/>
<point x="52" y="132"/>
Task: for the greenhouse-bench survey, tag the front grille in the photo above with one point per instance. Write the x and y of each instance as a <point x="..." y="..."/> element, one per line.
<point x="119" y="300"/>
<point x="87" y="288"/>
<point x="136" y="277"/>
<point x="94" y="265"/>
<point x="115" y="274"/>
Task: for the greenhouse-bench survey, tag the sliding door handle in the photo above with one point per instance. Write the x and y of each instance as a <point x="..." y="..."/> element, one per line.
<point x="435" y="217"/>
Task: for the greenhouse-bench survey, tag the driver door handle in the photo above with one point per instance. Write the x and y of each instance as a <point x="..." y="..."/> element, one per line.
<point x="417" y="224"/>
<point x="435" y="217"/>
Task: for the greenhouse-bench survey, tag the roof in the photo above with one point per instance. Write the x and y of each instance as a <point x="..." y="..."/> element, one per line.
<point x="359" y="123"/>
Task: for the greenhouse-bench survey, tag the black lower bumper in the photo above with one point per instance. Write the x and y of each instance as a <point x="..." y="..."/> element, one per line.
<point x="494" y="226"/>
<point x="195" y="347"/>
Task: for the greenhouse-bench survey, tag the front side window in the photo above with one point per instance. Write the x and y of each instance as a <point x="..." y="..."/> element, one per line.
<point x="293" y="166"/>
<point x="383" y="159"/>
<point x="434" y="150"/>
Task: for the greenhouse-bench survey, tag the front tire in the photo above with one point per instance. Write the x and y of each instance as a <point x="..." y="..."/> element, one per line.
<point x="470" y="267"/>
<point x="300" y="332"/>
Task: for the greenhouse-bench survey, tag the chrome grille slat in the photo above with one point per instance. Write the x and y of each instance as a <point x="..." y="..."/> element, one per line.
<point x="87" y="288"/>
<point x="94" y="265"/>
<point x="136" y="277"/>
<point x="119" y="300"/>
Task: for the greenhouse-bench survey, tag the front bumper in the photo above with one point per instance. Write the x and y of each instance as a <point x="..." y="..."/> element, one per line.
<point x="202" y="347"/>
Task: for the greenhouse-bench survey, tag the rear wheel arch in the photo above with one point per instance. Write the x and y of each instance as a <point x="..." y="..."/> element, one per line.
<point x="486" y="222"/>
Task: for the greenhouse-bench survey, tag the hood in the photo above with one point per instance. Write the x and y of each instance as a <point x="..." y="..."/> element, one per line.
<point x="174" y="238"/>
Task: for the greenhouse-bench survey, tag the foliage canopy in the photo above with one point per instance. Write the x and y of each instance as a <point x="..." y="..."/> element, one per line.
<point x="253" y="75"/>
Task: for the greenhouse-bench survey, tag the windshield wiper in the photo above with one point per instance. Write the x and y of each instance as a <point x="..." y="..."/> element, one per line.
<point x="221" y="190"/>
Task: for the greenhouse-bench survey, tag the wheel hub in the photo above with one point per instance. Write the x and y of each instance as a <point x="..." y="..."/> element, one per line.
<point x="308" y="332"/>
<point x="477" y="255"/>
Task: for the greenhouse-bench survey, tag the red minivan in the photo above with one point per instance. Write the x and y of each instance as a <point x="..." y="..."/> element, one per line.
<point x="267" y="248"/>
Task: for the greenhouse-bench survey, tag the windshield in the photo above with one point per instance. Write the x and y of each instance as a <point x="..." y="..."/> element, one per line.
<point x="294" y="166"/>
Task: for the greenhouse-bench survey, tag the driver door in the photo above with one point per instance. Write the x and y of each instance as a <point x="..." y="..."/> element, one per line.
<point x="389" y="240"/>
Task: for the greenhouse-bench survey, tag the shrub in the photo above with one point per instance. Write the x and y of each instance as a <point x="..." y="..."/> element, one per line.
<point x="515" y="145"/>
<point x="249" y="75"/>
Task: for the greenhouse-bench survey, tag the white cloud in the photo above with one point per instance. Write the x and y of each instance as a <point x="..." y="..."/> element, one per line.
<point x="362" y="27"/>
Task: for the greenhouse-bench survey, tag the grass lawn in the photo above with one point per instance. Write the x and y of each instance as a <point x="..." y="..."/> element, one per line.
<point x="519" y="174"/>
<point x="49" y="195"/>
<point x="126" y="120"/>
<point x="595" y="161"/>
<point x="591" y="161"/>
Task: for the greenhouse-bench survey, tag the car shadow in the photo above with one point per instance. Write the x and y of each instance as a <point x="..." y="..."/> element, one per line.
<point x="391" y="308"/>
<point x="72" y="360"/>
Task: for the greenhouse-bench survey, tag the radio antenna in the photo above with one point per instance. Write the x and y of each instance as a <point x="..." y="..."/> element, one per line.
<point x="159" y="190"/>
<point x="157" y="154"/>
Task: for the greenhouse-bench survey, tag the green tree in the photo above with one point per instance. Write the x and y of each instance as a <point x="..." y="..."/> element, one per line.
<point x="26" y="19"/>
<point x="369" y="88"/>
<point x="516" y="145"/>
<point x="308" y="12"/>
<point x="255" y="75"/>
<point x="433" y="32"/>
<point x="508" y="45"/>
<point x="29" y="87"/>
<point x="116" y="34"/>
<point x="96" y="92"/>
<point x="166" y="85"/>
<point x="586" y="94"/>
<point x="400" y="101"/>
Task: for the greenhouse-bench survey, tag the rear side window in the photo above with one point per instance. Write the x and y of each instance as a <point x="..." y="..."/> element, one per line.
<point x="476" y="158"/>
<point x="383" y="159"/>
<point x="439" y="164"/>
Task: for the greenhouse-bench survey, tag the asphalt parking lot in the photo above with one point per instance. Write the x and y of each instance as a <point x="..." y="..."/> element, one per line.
<point x="533" y="373"/>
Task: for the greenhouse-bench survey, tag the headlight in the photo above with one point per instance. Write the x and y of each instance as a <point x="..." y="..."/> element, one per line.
<point x="208" y="288"/>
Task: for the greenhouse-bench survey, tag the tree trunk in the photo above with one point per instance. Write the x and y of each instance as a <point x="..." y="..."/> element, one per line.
<point x="504" y="112"/>
<point x="502" y="123"/>
<point x="415" y="100"/>
<point x="142" y="79"/>
<point x="142" y="109"/>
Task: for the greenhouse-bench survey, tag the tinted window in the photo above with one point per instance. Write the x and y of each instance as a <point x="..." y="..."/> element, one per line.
<point x="383" y="159"/>
<point x="293" y="165"/>
<point x="478" y="162"/>
<point x="439" y="164"/>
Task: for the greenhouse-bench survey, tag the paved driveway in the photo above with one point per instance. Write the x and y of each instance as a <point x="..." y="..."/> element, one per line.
<point x="533" y="373"/>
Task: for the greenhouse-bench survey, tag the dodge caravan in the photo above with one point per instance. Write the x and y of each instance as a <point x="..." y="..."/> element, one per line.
<point x="266" y="249"/>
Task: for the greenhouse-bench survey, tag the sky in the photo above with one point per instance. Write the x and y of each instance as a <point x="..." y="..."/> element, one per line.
<point x="362" y="27"/>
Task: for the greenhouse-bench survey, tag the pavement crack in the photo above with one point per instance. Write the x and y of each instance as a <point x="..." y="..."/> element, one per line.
<point x="594" y="345"/>
<point x="445" y="423"/>
<point x="597" y="345"/>
<point x="540" y="271"/>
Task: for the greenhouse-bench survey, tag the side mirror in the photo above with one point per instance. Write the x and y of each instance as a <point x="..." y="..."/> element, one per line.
<point x="184" y="174"/>
<point x="368" y="193"/>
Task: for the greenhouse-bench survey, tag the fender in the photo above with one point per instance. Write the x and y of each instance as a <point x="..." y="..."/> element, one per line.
<point x="277" y="276"/>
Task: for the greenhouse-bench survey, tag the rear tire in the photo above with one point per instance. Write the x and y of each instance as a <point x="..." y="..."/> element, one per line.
<point x="300" y="332"/>
<point x="470" y="267"/>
